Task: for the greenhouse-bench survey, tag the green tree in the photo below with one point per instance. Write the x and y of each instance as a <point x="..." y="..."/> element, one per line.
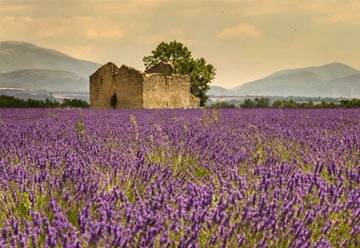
<point x="309" y="104"/>
<point x="172" y="52"/>
<point x="262" y="102"/>
<point x="289" y="104"/>
<point x="74" y="103"/>
<point x="248" y="103"/>
<point x="10" y="102"/>
<point x="201" y="73"/>
<point x="222" y="105"/>
<point x="277" y="104"/>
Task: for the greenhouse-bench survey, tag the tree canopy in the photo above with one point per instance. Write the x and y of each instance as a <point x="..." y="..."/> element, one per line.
<point x="201" y="73"/>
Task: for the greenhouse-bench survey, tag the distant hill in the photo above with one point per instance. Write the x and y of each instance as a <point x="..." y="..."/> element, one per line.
<point x="219" y="91"/>
<point x="323" y="73"/>
<point x="15" y="56"/>
<point x="48" y="80"/>
<point x="331" y="80"/>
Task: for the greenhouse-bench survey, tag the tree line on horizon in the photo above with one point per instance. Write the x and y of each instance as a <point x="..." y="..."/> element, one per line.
<point x="13" y="102"/>
<point x="264" y="102"/>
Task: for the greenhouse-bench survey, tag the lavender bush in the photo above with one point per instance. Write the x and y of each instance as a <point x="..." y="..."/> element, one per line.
<point x="180" y="178"/>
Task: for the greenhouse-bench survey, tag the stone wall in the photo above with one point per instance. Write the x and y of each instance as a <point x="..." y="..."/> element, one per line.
<point x="128" y="83"/>
<point x="167" y="91"/>
<point x="102" y="86"/>
<point x="135" y="89"/>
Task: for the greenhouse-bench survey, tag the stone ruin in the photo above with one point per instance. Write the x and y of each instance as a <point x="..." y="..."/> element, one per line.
<point x="126" y="87"/>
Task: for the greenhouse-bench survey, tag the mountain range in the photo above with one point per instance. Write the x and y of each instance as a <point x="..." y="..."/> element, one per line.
<point x="331" y="80"/>
<point x="27" y="66"/>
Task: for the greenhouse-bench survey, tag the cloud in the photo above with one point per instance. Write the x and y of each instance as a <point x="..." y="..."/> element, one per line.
<point x="243" y="30"/>
<point x="335" y="18"/>
<point x="111" y="34"/>
<point x="152" y="39"/>
<point x="14" y="8"/>
<point x="87" y="28"/>
<point x="172" y="34"/>
<point x="323" y="11"/>
<point x="149" y="2"/>
<point x="129" y="7"/>
<point x="259" y="8"/>
<point x="333" y="11"/>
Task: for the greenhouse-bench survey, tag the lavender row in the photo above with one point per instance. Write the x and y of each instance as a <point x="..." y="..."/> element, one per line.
<point x="180" y="178"/>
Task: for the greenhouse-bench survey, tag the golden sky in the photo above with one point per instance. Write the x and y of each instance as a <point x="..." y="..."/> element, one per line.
<point x="244" y="39"/>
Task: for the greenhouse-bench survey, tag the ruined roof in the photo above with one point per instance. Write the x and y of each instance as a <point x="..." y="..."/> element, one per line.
<point x="129" y="68"/>
<point x="165" y="69"/>
<point x="108" y="66"/>
<point x="115" y="70"/>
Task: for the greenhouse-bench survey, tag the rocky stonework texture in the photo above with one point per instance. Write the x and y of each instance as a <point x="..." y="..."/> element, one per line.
<point x="126" y="87"/>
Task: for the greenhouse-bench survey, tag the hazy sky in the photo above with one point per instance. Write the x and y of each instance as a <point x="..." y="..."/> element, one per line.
<point x="244" y="39"/>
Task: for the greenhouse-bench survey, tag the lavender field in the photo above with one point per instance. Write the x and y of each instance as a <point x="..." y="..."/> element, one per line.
<point x="180" y="178"/>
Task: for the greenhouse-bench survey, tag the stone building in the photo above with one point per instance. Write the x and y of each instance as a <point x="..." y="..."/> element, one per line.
<point x="126" y="87"/>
